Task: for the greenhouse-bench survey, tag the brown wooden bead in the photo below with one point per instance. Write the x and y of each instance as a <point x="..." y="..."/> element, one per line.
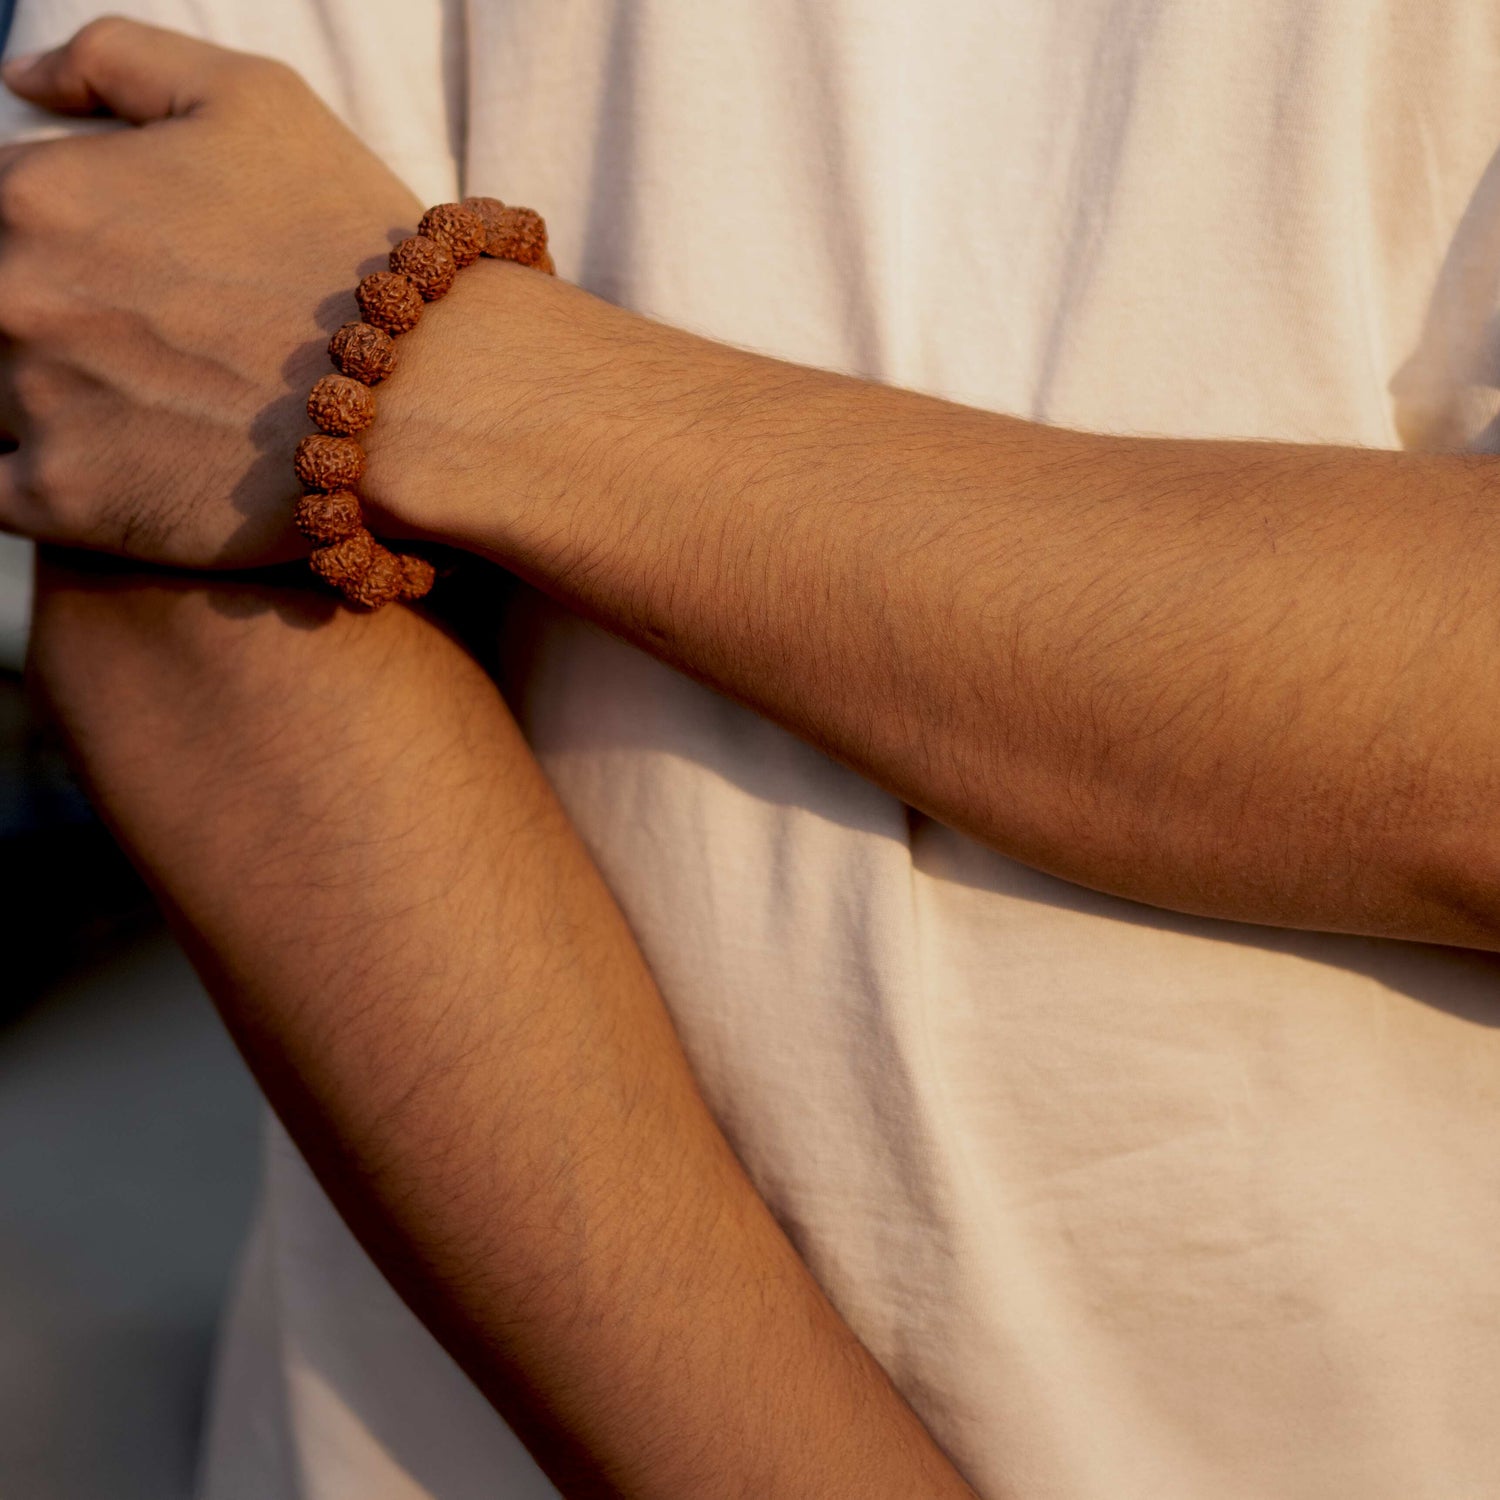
<point x="363" y="352"/>
<point x="426" y="264"/>
<point x="328" y="518"/>
<point x="389" y="301"/>
<point x="329" y="463"/>
<point x="488" y="209"/>
<point x="417" y="576"/>
<point x="460" y="229"/>
<point x="381" y="581"/>
<point x="345" y="562"/>
<point x="519" y="234"/>
<point x="340" y="405"/>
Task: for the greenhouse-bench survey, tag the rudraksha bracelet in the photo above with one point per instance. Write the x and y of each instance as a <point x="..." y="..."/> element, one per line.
<point x="330" y="463"/>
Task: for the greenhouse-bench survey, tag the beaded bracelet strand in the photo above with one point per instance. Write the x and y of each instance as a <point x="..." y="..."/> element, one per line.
<point x="330" y="463"/>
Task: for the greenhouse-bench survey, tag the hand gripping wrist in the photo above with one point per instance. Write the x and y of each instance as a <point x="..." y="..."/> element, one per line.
<point x="330" y="463"/>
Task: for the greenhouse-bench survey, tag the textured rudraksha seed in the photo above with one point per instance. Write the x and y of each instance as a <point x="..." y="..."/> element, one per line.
<point x="417" y="576"/>
<point x="429" y="266"/>
<point x="381" y="581"/>
<point x="340" y="405"/>
<point x="518" y="234"/>
<point x="488" y="209"/>
<point x="329" y="463"/>
<point x="328" y="518"/>
<point x="363" y="352"/>
<point x="389" y="301"/>
<point x="458" y="228"/>
<point x="345" y="562"/>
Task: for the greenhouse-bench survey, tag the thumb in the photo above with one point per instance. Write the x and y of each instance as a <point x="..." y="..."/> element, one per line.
<point x="115" y="66"/>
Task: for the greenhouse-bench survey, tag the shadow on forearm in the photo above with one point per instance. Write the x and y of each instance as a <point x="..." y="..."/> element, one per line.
<point x="281" y="589"/>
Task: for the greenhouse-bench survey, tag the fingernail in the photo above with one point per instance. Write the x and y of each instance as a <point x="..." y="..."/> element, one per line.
<point x="14" y="69"/>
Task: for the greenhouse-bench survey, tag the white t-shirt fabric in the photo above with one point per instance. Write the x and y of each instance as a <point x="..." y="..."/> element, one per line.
<point x="1127" y="1203"/>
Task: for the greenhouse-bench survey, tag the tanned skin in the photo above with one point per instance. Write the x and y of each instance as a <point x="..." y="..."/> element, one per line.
<point x="1252" y="681"/>
<point x="445" y="1007"/>
<point x="1249" y="681"/>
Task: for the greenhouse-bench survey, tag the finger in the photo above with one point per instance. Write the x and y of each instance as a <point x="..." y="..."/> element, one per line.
<point x="17" y="515"/>
<point x="119" y="67"/>
<point x="10" y="408"/>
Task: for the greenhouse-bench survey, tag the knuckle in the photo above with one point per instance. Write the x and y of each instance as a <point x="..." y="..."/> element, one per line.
<point x="37" y="312"/>
<point x="45" y="480"/>
<point x="96" y="38"/>
<point x="47" y="188"/>
<point x="22" y="318"/>
<point x="58" y="492"/>
<point x="36" y="388"/>
<point x="26" y="191"/>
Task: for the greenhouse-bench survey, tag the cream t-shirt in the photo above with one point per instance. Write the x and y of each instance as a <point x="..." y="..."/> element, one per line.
<point x="1129" y="1204"/>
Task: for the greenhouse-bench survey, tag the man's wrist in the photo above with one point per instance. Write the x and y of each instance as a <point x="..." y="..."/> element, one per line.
<point x="501" y="395"/>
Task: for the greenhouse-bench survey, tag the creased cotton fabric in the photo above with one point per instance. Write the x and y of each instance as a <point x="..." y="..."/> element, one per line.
<point x="1129" y="1204"/>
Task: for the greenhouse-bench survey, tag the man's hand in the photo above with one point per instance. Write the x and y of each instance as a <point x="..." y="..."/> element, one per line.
<point x="167" y="293"/>
<point x="1251" y="681"/>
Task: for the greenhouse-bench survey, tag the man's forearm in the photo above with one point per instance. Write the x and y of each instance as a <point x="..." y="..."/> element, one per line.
<point x="1244" y="680"/>
<point x="447" y="1010"/>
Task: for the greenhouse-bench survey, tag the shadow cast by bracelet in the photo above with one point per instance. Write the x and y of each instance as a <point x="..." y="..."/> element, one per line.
<point x="235" y="593"/>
